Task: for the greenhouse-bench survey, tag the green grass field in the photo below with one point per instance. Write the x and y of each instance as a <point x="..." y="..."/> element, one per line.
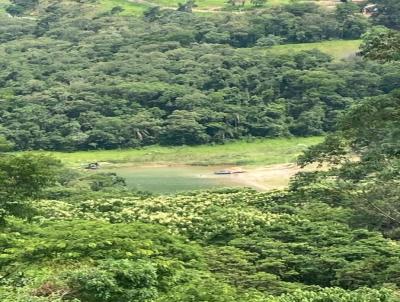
<point x="338" y="49"/>
<point x="257" y="152"/>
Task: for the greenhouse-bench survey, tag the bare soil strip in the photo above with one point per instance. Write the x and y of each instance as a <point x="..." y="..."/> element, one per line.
<point x="267" y="178"/>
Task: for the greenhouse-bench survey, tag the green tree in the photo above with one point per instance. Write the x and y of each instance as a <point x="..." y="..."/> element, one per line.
<point x="182" y="128"/>
<point x="381" y="44"/>
<point x="116" y="10"/>
<point x="370" y="132"/>
<point x="352" y="24"/>
<point x="5" y="145"/>
<point x="152" y="13"/>
<point x="19" y="7"/>
<point x="387" y="13"/>
<point x="100" y="181"/>
<point x="115" y="281"/>
<point x="22" y="178"/>
<point x="258" y="3"/>
<point x="187" y="7"/>
<point x="202" y="287"/>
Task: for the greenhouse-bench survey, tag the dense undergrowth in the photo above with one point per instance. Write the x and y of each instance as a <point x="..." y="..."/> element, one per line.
<point x="239" y="244"/>
<point x="227" y="245"/>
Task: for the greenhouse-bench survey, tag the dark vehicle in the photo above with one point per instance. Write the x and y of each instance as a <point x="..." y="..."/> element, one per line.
<point x="93" y="166"/>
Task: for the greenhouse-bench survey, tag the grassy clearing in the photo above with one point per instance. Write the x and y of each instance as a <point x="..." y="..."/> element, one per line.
<point x="257" y="152"/>
<point x="338" y="49"/>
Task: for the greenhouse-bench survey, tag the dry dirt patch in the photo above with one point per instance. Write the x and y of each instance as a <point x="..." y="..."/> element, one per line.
<point x="270" y="177"/>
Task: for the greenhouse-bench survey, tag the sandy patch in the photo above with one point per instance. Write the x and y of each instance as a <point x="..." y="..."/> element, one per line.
<point x="267" y="178"/>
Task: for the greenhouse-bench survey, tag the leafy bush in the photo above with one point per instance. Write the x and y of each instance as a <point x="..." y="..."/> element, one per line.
<point x="114" y="281"/>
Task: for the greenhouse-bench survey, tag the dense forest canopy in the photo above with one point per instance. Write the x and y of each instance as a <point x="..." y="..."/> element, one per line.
<point x="74" y="79"/>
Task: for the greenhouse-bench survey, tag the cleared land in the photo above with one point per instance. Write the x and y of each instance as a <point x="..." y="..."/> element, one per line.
<point x="338" y="49"/>
<point x="254" y="153"/>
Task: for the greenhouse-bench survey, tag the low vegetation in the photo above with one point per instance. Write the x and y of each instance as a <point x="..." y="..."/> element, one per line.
<point x="338" y="49"/>
<point x="252" y="152"/>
